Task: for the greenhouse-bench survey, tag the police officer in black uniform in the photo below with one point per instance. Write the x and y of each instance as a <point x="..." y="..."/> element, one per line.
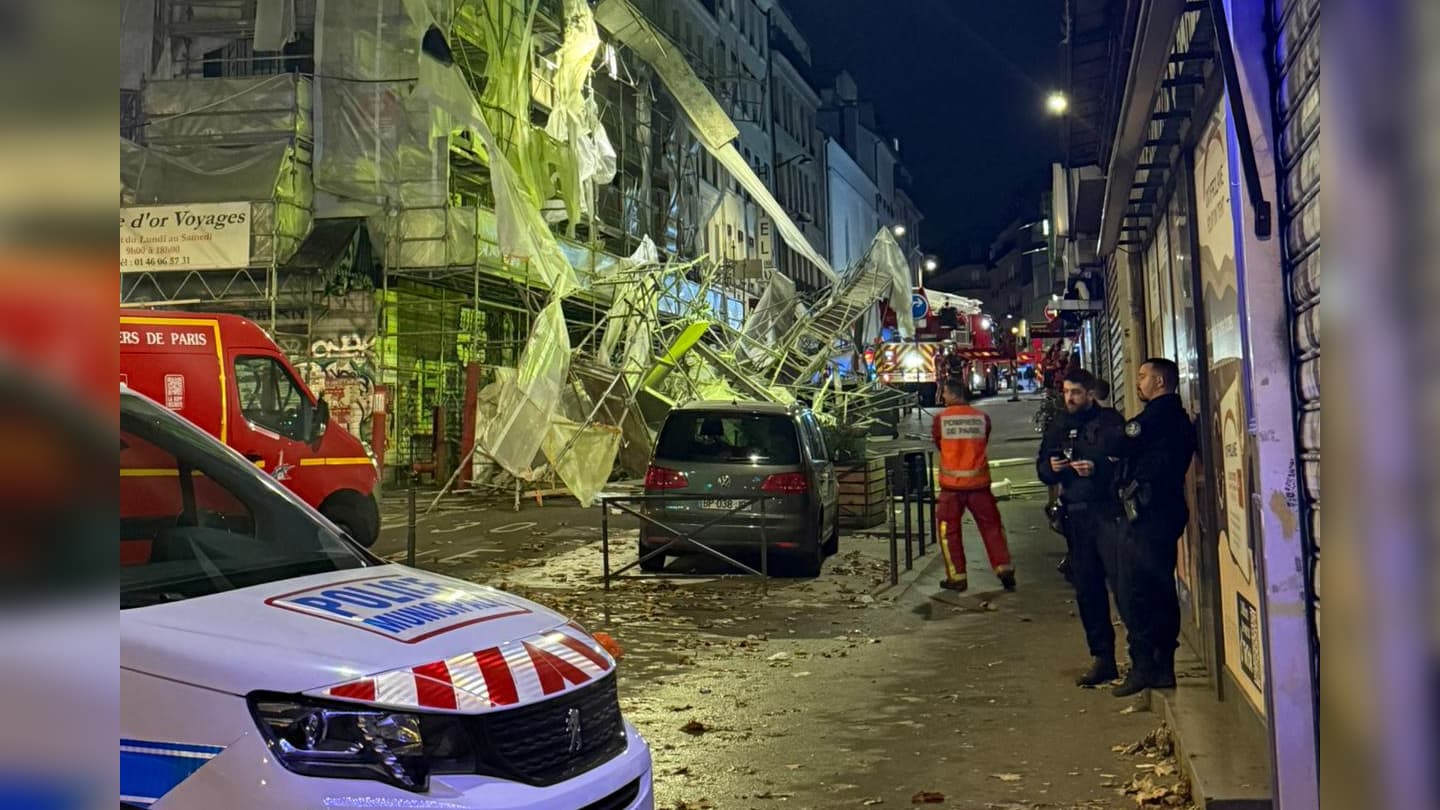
<point x="1074" y="455"/>
<point x="1155" y="450"/>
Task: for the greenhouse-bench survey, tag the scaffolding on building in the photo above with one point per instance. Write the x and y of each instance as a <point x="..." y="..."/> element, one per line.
<point x="377" y="259"/>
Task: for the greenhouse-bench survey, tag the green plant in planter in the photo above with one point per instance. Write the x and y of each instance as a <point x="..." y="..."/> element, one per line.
<point x="846" y="442"/>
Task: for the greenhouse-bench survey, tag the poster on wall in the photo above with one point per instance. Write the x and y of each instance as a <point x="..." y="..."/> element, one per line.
<point x="1214" y="180"/>
<point x="202" y="236"/>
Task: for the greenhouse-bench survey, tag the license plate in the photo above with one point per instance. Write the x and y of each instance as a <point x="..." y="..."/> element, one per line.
<point x="723" y="504"/>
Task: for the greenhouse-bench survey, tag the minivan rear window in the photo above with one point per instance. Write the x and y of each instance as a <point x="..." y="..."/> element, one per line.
<point x="740" y="438"/>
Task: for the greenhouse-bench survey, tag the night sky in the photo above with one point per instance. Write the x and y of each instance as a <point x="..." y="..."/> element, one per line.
<point x="962" y="84"/>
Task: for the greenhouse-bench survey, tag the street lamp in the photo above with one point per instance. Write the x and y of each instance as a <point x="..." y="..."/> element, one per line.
<point x="931" y="265"/>
<point x="898" y="230"/>
<point x="1057" y="103"/>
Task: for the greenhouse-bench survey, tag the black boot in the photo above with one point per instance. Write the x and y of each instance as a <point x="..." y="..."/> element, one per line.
<point x="1102" y="670"/>
<point x="1137" y="680"/>
<point x="1065" y="570"/>
<point x="1164" y="674"/>
<point x="1007" y="580"/>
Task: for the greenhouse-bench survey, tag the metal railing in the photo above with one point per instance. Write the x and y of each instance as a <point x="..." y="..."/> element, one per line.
<point x="910" y="483"/>
<point x="621" y="504"/>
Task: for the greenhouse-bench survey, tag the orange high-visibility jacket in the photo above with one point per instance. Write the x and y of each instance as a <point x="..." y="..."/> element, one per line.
<point x="962" y="433"/>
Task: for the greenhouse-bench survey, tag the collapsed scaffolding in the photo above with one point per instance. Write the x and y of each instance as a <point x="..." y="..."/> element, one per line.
<point x="570" y="413"/>
<point x="421" y="152"/>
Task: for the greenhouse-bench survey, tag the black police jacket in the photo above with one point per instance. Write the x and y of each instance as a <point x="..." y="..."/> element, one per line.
<point x="1155" y="449"/>
<point x="1087" y="435"/>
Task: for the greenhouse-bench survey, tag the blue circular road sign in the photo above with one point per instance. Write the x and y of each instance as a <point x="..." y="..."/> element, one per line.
<point x="919" y="306"/>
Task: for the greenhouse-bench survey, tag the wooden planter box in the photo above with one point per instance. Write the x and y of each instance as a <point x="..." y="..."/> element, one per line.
<point x="863" y="496"/>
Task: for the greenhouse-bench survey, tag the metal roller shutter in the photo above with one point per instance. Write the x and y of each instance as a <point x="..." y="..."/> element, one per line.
<point x="1296" y="55"/>
<point x="1114" y="323"/>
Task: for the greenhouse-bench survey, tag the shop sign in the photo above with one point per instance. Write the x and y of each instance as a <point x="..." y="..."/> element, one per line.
<point x="208" y="236"/>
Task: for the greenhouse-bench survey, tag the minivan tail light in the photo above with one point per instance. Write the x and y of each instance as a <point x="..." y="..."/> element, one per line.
<point x="665" y="478"/>
<point x="786" y="484"/>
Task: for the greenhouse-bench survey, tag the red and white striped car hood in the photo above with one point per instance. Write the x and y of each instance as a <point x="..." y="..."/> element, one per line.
<point x="496" y="677"/>
<point x="389" y="635"/>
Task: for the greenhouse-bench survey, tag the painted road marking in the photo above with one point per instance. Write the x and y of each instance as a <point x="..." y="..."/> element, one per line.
<point x="400" y="555"/>
<point x="511" y="528"/>
<point x="458" y="527"/>
<point x="472" y="552"/>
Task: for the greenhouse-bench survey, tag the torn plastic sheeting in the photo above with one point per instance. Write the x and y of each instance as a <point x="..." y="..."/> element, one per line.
<point x="631" y="313"/>
<point x="529" y="402"/>
<point x="736" y="164"/>
<point x="887" y="261"/>
<point x="772" y="316"/>
<point x="575" y="118"/>
<point x="583" y="457"/>
<point x="521" y="229"/>
<point x="274" y="24"/>
<point x="627" y="24"/>
<point x="572" y="72"/>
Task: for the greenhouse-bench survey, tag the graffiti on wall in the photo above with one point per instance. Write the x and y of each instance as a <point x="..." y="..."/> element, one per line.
<point x="344" y="368"/>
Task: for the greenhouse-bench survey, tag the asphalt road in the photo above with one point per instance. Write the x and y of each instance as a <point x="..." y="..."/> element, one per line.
<point x="836" y="692"/>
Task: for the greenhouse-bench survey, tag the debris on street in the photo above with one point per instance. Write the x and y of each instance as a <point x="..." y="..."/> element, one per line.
<point x="1159" y="782"/>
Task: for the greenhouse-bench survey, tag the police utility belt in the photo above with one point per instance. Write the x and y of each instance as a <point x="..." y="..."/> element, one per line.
<point x="1134" y="496"/>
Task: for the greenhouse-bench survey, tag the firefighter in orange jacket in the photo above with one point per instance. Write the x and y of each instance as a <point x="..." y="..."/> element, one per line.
<point x="962" y="434"/>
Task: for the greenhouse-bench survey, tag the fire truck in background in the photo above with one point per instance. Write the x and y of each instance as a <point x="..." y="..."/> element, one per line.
<point x="952" y="338"/>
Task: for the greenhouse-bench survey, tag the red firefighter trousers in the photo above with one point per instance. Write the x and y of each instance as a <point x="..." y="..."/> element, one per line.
<point x="950" y="508"/>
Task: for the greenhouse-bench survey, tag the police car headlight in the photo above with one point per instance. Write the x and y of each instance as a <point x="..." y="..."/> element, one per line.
<point x="336" y="741"/>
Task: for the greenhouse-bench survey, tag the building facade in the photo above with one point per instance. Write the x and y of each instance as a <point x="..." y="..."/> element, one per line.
<point x="864" y="176"/>
<point x="799" y="151"/>
<point x="1025" y="280"/>
<point x="1173" y="172"/>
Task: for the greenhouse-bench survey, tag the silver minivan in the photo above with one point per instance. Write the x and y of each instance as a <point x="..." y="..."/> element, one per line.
<point x="731" y="452"/>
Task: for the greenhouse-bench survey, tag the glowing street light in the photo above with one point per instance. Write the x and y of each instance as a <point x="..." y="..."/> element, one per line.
<point x="898" y="230"/>
<point x="931" y="265"/>
<point x="1057" y="103"/>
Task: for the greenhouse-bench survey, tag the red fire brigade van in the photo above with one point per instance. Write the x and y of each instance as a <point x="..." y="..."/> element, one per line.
<point x="223" y="373"/>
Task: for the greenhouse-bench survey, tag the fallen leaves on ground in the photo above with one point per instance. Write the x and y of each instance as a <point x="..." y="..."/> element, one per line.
<point x="928" y="797"/>
<point x="1159" y="783"/>
<point x="694" y="728"/>
<point x="1007" y="777"/>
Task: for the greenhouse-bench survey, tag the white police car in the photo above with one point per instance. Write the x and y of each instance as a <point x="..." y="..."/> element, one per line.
<point x="268" y="661"/>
